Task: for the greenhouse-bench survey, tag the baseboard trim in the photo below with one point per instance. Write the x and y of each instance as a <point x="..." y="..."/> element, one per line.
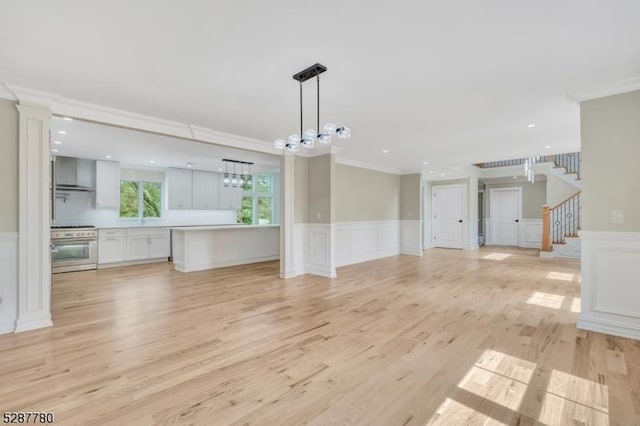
<point x="179" y="266"/>
<point x="322" y="272"/>
<point x="27" y="325"/>
<point x="411" y="252"/>
<point x="131" y="263"/>
<point x="609" y="327"/>
<point x="7" y="328"/>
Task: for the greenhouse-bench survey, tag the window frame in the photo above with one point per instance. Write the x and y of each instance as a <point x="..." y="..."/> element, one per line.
<point x="254" y="195"/>
<point x="141" y="183"/>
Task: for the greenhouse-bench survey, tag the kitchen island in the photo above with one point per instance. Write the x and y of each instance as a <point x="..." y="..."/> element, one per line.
<point x="196" y="248"/>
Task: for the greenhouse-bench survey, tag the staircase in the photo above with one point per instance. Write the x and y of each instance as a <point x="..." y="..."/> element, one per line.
<point x="561" y="223"/>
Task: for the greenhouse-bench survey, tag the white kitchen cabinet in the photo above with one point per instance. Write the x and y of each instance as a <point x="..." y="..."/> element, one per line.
<point x="147" y="243"/>
<point x="205" y="190"/>
<point x="137" y="247"/>
<point x="107" y="185"/>
<point x="229" y="198"/>
<point x="159" y="245"/>
<point x="179" y="188"/>
<point x="110" y="246"/>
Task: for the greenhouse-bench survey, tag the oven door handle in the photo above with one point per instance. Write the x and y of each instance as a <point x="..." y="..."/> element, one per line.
<point x="76" y="240"/>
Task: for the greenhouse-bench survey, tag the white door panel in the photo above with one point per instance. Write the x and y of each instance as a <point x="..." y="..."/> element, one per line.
<point x="505" y="215"/>
<point x="447" y="214"/>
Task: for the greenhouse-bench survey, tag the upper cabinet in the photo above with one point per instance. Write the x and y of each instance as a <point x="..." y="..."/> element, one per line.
<point x="179" y="189"/>
<point x="195" y="189"/>
<point x="107" y="185"/>
<point x="205" y="190"/>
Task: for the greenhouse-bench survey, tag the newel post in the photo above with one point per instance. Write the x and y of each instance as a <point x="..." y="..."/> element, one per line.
<point x="546" y="230"/>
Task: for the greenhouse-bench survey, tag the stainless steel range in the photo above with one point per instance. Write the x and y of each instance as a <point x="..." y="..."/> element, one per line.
<point x="73" y="248"/>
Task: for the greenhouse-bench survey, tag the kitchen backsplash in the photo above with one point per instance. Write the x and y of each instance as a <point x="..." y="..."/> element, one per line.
<point x="79" y="210"/>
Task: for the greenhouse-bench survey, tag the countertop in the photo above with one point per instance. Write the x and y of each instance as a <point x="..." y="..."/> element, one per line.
<point x="151" y="225"/>
<point x="218" y="227"/>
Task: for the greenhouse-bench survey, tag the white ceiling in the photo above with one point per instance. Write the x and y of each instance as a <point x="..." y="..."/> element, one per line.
<point x="84" y="139"/>
<point x="447" y="82"/>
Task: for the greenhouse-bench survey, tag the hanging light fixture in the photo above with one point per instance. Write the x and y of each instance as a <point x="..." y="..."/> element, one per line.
<point x="225" y="180"/>
<point x="307" y="138"/>
<point x="234" y="180"/>
<point x="528" y="169"/>
<point x="249" y="181"/>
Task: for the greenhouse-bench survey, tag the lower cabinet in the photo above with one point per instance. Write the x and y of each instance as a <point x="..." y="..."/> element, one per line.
<point x="132" y="244"/>
<point x="110" y="246"/>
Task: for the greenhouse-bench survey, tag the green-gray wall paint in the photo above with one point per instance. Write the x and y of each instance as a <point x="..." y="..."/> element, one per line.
<point x="321" y="176"/>
<point x="610" y="129"/>
<point x="534" y="196"/>
<point x="9" y="166"/>
<point x="366" y="195"/>
<point x="410" y="197"/>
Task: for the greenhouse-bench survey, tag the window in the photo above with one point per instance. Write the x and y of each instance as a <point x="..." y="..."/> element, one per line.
<point x="259" y="203"/>
<point x="140" y="199"/>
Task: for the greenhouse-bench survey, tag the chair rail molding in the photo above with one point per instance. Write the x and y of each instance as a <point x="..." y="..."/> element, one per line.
<point x="610" y="278"/>
<point x="34" y="264"/>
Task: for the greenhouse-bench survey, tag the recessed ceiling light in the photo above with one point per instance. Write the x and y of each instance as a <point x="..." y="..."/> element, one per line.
<point x="220" y="169"/>
<point x="425" y="162"/>
<point x="430" y="171"/>
<point x="441" y="174"/>
<point x="67" y="118"/>
<point x="515" y="177"/>
<point x="152" y="161"/>
<point x="55" y="150"/>
<point x="62" y="132"/>
<point x="189" y="165"/>
<point x="57" y="142"/>
<point x="531" y="125"/>
<point x="547" y="146"/>
<point x="385" y="151"/>
<point x="107" y="156"/>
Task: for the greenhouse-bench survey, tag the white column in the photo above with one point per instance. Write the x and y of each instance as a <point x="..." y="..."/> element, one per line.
<point x="34" y="263"/>
<point x="287" y="265"/>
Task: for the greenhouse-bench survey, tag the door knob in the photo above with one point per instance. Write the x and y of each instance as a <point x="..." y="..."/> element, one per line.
<point x="460" y="220"/>
<point x="517" y="220"/>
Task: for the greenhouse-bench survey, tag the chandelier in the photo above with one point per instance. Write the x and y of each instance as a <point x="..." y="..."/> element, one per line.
<point x="528" y="169"/>
<point x="307" y="138"/>
<point x="235" y="180"/>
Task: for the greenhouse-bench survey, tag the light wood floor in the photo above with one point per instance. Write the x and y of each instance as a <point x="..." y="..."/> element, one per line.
<point x="455" y="337"/>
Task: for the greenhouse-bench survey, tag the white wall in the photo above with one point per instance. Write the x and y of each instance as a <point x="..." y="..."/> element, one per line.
<point x="558" y="190"/>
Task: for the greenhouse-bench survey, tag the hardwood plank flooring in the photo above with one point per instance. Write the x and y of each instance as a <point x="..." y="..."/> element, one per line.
<point x="484" y="337"/>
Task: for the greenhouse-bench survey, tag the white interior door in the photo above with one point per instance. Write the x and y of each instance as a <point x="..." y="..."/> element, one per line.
<point x="447" y="213"/>
<point x="505" y="216"/>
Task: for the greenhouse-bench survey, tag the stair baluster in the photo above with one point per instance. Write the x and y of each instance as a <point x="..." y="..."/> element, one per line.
<point x="563" y="220"/>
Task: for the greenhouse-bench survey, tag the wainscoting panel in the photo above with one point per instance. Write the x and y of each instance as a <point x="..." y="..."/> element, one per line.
<point x="362" y="241"/>
<point x="611" y="283"/>
<point x="8" y="281"/>
<point x="410" y="237"/>
<point x="531" y="233"/>
<point x="320" y="253"/>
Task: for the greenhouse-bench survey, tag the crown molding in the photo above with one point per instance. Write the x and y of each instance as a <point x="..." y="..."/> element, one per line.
<point x="614" y="88"/>
<point x="362" y="165"/>
<point x="59" y="105"/>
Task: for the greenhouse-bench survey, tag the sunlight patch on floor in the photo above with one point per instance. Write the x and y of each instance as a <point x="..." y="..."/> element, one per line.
<point x="576" y="305"/>
<point x="571" y="399"/>
<point x="546" y="300"/>
<point x="496" y="256"/>
<point x="560" y="276"/>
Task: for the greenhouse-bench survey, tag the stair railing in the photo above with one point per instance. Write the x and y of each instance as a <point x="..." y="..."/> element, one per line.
<point x="570" y="161"/>
<point x="561" y="221"/>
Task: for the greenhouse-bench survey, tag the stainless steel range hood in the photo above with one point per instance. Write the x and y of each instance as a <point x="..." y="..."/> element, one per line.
<point x="75" y="174"/>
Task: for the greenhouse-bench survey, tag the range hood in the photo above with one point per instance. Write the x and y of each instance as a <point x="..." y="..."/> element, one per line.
<point x="75" y="174"/>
